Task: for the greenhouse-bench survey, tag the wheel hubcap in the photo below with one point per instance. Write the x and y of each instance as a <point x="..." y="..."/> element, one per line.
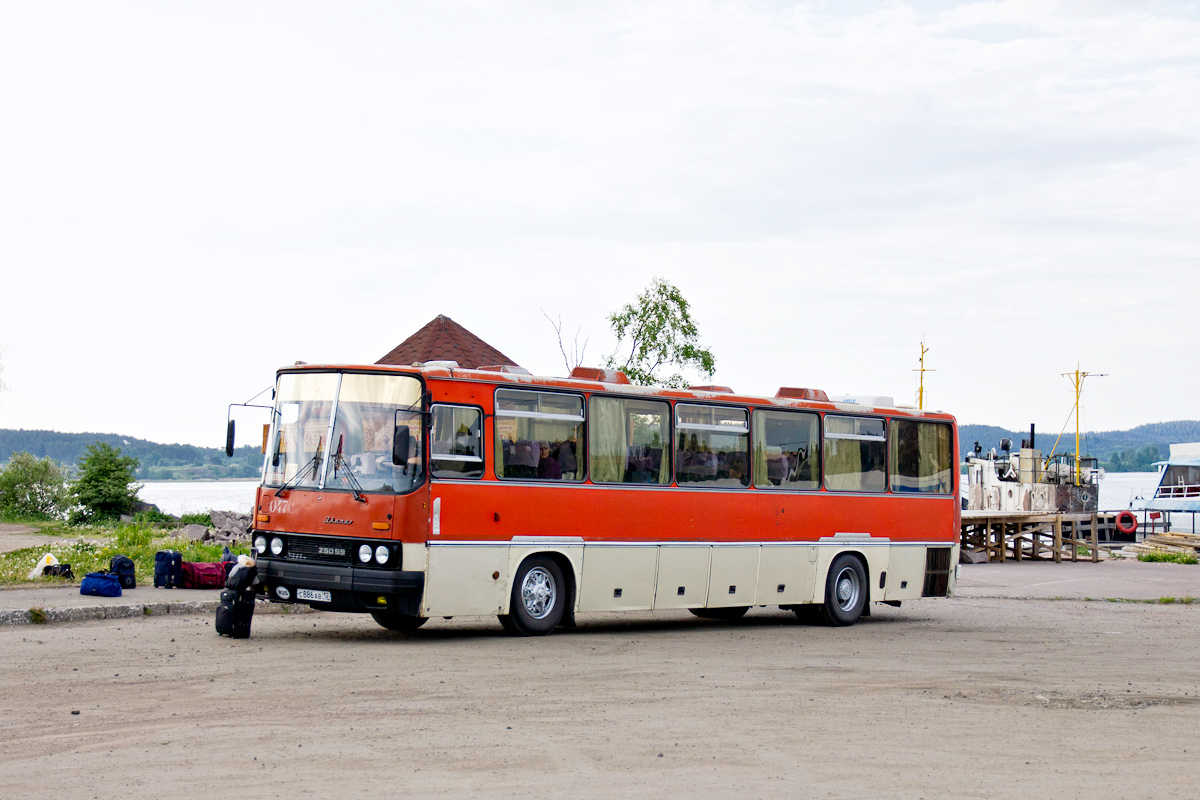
<point x="538" y="593"/>
<point x="846" y="588"/>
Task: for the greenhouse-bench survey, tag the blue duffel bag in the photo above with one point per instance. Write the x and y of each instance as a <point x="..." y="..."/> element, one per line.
<point x="101" y="584"/>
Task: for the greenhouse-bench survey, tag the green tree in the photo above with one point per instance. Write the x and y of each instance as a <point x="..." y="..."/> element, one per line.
<point x="105" y="488"/>
<point x="33" y="487"/>
<point x="657" y="330"/>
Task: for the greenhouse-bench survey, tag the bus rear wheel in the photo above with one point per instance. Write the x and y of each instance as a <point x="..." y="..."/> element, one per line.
<point x="538" y="599"/>
<point x="732" y="613"/>
<point x="395" y="621"/>
<point x="845" y="591"/>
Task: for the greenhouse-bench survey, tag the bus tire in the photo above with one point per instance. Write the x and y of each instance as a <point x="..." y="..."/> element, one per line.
<point x="728" y="614"/>
<point x="539" y="597"/>
<point x="395" y="621"/>
<point x="845" y="591"/>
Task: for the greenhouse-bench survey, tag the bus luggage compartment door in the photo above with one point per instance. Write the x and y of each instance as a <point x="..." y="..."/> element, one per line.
<point x="466" y="579"/>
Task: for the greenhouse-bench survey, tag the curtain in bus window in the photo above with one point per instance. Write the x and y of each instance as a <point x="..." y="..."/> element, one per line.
<point x="787" y="450"/>
<point x="712" y="446"/>
<point x="626" y="440"/>
<point x="369" y="409"/>
<point x="855" y="454"/>
<point x="920" y="457"/>
<point x="303" y="404"/>
<point x="538" y="435"/>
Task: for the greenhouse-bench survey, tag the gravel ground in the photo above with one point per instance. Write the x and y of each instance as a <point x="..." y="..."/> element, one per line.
<point x="957" y="698"/>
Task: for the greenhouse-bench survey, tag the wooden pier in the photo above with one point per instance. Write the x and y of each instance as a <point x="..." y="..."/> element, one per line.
<point x="1037" y="536"/>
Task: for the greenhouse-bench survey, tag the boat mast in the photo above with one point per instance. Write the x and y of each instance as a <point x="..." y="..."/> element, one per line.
<point x="1077" y="379"/>
<point x="922" y="370"/>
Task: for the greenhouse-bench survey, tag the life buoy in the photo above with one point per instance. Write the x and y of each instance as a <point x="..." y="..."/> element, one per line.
<point x="1126" y="522"/>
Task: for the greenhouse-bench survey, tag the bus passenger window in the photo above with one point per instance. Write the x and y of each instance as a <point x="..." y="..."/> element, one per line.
<point x="855" y="452"/>
<point x="787" y="450"/>
<point x="538" y="435"/>
<point x="627" y="440"/>
<point x="920" y="457"/>
<point x="456" y="443"/>
<point x="712" y="446"/>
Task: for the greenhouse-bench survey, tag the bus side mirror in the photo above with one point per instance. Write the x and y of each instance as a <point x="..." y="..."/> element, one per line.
<point x="400" y="444"/>
<point x="229" y="440"/>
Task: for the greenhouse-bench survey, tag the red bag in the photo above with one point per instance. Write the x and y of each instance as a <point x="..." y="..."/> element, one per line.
<point x="204" y="575"/>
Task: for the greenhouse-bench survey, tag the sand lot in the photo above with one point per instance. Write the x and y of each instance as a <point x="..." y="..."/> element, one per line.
<point x="957" y="698"/>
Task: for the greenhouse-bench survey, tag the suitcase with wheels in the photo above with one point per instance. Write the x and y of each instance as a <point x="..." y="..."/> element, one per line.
<point x="168" y="569"/>
<point x="234" y="613"/>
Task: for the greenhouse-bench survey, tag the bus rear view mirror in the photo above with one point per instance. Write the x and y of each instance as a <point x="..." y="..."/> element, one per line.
<point x="400" y="444"/>
<point x="229" y="440"/>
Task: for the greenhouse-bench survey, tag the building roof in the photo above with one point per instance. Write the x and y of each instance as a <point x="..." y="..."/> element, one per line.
<point x="443" y="339"/>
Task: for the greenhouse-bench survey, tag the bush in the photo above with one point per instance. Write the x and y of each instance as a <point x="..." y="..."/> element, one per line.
<point x="105" y="488"/>
<point x="1168" y="558"/>
<point x="32" y="487"/>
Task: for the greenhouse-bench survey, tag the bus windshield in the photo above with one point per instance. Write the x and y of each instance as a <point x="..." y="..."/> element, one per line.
<point x="335" y="431"/>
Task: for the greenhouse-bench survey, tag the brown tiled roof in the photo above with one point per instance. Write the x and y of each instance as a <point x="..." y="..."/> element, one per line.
<point x="443" y="339"/>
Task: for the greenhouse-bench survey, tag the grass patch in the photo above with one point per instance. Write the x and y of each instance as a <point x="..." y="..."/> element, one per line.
<point x="1168" y="558"/>
<point x="93" y="546"/>
<point x="37" y="616"/>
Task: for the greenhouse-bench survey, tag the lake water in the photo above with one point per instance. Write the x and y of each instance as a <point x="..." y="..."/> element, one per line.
<point x="194" y="497"/>
<point x="1117" y="491"/>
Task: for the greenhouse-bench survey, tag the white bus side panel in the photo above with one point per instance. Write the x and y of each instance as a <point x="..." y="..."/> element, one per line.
<point x="682" y="576"/>
<point x="733" y="579"/>
<point x="793" y="568"/>
<point x="906" y="573"/>
<point x="459" y="580"/>
<point x="618" y="577"/>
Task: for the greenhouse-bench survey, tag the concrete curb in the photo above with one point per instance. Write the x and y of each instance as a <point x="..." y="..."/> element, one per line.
<point x="46" y="616"/>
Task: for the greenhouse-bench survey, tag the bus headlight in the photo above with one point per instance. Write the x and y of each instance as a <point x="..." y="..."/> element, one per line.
<point x="276" y="546"/>
<point x="382" y="553"/>
<point x="260" y="544"/>
<point x="364" y="553"/>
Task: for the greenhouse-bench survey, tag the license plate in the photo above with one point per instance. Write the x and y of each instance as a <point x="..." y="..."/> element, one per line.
<point x="313" y="594"/>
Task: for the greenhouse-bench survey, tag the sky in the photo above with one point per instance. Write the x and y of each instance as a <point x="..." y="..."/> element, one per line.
<point x="193" y="195"/>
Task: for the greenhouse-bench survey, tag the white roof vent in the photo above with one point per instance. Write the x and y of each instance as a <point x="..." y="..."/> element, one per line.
<point x="869" y="400"/>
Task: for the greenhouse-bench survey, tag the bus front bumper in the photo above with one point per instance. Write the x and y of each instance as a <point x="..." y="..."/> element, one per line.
<point x="351" y="589"/>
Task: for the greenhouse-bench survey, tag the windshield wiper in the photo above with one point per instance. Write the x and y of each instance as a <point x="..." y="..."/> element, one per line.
<point x="347" y="473"/>
<point x="314" y="465"/>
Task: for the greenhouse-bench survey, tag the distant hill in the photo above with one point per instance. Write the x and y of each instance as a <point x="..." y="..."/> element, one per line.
<point x="156" y="461"/>
<point x="1111" y="447"/>
<point x="1117" y="450"/>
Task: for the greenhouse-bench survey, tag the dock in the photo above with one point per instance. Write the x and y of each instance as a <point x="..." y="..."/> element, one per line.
<point x="997" y="536"/>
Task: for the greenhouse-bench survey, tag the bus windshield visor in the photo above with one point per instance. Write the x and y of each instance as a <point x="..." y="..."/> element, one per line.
<point x="335" y="431"/>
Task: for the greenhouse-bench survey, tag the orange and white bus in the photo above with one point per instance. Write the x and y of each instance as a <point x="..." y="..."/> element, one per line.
<point x="436" y="491"/>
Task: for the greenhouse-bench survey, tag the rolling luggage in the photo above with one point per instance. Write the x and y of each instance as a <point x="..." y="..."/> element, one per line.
<point x="234" y="613"/>
<point x="168" y="569"/>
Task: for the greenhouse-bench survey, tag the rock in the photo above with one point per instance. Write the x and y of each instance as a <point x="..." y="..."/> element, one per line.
<point x="197" y="533"/>
<point x="972" y="557"/>
<point x="231" y="526"/>
<point x="140" y="507"/>
<point x="125" y="518"/>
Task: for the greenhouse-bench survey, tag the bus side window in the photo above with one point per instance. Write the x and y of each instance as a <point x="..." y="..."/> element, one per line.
<point x="713" y="445"/>
<point x="456" y="442"/>
<point x="787" y="450"/>
<point x="538" y="435"/>
<point x="627" y="440"/>
<point x="920" y="457"/>
<point x="855" y="454"/>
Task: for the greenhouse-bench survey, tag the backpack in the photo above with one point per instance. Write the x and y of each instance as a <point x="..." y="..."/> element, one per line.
<point x="204" y="575"/>
<point x="234" y="613"/>
<point x="123" y="567"/>
<point x="100" y="584"/>
<point x="168" y="569"/>
<point x="241" y="578"/>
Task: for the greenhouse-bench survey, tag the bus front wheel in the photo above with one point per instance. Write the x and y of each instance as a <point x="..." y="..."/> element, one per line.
<point x="538" y="598"/>
<point x="845" y="591"/>
<point x="394" y="621"/>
